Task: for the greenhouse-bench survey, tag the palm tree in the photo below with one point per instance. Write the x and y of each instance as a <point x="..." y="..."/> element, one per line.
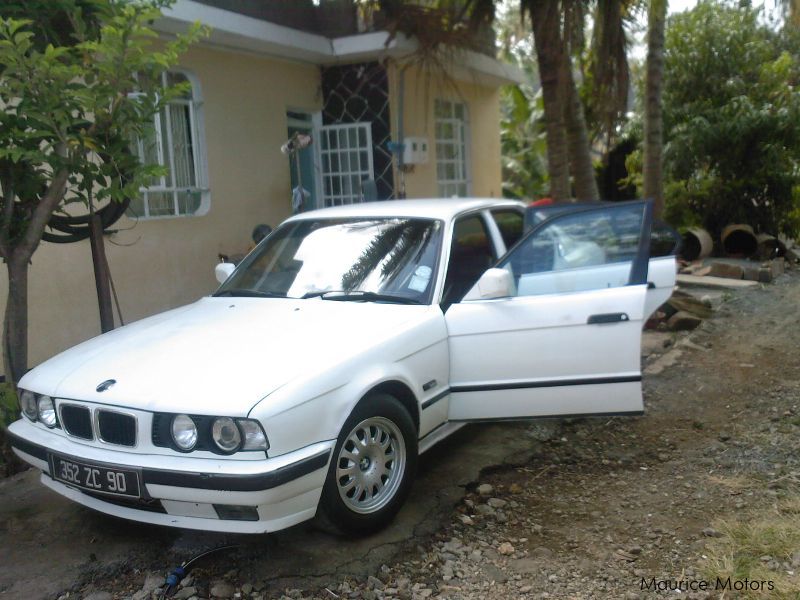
<point x="578" y="143"/>
<point x="653" y="134"/>
<point x="545" y="16"/>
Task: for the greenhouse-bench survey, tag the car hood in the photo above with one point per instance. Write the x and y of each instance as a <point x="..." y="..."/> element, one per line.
<point x="218" y="352"/>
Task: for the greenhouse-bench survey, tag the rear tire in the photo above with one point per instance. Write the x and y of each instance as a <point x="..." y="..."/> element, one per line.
<point x="372" y="468"/>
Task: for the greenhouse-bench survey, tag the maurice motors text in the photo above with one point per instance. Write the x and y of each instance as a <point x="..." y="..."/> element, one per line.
<point x="701" y="585"/>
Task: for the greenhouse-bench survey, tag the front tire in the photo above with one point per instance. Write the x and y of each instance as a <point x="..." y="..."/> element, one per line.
<point x="373" y="466"/>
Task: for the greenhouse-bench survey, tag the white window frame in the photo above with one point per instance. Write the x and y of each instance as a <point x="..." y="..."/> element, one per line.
<point x="461" y="142"/>
<point x="200" y="159"/>
<point x="355" y="196"/>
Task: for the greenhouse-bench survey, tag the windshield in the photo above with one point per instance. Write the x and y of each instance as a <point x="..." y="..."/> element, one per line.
<point x="380" y="259"/>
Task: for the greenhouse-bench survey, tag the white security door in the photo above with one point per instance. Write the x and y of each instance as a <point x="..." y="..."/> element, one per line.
<point x="346" y="156"/>
<point x="567" y="342"/>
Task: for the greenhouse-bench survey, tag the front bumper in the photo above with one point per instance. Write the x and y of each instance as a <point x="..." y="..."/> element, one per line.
<point x="179" y="491"/>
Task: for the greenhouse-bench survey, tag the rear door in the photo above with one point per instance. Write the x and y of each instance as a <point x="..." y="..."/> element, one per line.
<point x="567" y="340"/>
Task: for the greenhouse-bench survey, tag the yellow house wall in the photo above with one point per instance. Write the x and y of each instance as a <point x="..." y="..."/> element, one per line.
<point x="164" y="263"/>
<point x="483" y="109"/>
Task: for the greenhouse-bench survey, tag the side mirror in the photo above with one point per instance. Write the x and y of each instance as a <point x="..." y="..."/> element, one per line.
<point x="494" y="283"/>
<point x="223" y="270"/>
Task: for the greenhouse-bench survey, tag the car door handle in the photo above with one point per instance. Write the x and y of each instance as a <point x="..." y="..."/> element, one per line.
<point x="608" y="318"/>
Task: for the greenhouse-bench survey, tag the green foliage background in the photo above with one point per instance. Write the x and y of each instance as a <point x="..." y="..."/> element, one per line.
<point x="731" y="120"/>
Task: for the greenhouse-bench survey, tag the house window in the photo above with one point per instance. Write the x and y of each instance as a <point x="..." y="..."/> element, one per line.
<point x="452" y="173"/>
<point x="175" y="142"/>
<point x="346" y="154"/>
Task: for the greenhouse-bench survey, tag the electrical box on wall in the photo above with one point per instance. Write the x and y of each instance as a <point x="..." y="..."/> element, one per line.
<point x="415" y="151"/>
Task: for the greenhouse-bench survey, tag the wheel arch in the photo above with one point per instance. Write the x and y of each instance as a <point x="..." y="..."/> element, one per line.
<point x="402" y="392"/>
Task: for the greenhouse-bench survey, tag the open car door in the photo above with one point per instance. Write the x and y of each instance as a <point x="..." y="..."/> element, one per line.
<point x="565" y="337"/>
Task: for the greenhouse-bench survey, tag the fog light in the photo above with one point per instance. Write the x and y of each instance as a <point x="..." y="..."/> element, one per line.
<point x="47" y="411"/>
<point x="27" y="402"/>
<point x="233" y="512"/>
<point x="226" y="434"/>
<point x="184" y="432"/>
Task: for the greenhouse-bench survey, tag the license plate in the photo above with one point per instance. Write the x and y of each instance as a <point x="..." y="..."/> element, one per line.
<point x="93" y="477"/>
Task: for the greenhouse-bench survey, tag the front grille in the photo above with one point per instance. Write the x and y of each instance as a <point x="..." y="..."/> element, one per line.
<point x="116" y="428"/>
<point x="77" y="421"/>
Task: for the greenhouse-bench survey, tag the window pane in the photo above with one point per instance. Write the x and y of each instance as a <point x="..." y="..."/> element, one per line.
<point x="136" y="207"/>
<point x="577" y="252"/>
<point x="447" y="131"/>
<point x="451" y="155"/>
<point x="510" y="224"/>
<point x="470" y="255"/>
<point x="349" y="159"/>
<point x="172" y="142"/>
<point x="174" y="78"/>
<point x="161" y="203"/>
<point x="182" y="151"/>
<point x="188" y="202"/>
<point x="443" y="109"/>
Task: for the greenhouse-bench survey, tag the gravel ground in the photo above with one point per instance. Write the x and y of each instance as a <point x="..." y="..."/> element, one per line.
<point x="596" y="506"/>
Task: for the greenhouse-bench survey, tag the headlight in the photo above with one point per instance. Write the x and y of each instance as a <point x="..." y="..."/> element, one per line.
<point x="226" y="434"/>
<point x="184" y="432"/>
<point x="27" y="402"/>
<point x="254" y="436"/>
<point x="47" y="411"/>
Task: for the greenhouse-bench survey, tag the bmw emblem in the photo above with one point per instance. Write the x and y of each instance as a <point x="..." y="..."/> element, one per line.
<point x="105" y="385"/>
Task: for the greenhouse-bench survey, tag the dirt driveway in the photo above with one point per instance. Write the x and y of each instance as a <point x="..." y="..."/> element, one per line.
<point x="601" y="509"/>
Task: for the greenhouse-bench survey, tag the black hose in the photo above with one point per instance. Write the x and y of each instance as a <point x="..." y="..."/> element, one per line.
<point x="178" y="573"/>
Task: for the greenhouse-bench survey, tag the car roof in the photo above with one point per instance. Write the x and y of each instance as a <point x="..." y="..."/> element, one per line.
<point x="431" y="208"/>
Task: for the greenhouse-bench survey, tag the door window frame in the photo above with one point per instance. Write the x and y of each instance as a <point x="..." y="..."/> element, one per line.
<point x="640" y="263"/>
<point x="495" y="241"/>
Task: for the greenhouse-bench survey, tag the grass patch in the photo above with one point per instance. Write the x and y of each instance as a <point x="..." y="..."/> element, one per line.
<point x="741" y="553"/>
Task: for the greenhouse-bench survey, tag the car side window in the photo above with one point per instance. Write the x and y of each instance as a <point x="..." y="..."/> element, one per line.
<point x="575" y="252"/>
<point x="471" y="254"/>
<point x="510" y="224"/>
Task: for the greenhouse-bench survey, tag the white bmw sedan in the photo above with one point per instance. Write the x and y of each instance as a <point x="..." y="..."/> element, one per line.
<point x="347" y="343"/>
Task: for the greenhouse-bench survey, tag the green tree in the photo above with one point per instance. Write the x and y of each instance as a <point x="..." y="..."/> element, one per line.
<point x="732" y="119"/>
<point x="79" y="79"/>
<point x="523" y="143"/>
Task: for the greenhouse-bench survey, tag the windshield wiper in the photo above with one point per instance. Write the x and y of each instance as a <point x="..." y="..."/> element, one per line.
<point x="359" y="295"/>
<point x="249" y="293"/>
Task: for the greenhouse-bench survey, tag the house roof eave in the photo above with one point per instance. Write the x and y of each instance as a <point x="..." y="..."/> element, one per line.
<point x="240" y="32"/>
<point x="234" y="31"/>
<point x="467" y="65"/>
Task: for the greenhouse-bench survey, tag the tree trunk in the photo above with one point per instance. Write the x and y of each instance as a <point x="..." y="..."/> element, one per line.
<point x="653" y="126"/>
<point x="101" y="278"/>
<point x="546" y="21"/>
<point x="15" y="324"/>
<point x="580" y="157"/>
